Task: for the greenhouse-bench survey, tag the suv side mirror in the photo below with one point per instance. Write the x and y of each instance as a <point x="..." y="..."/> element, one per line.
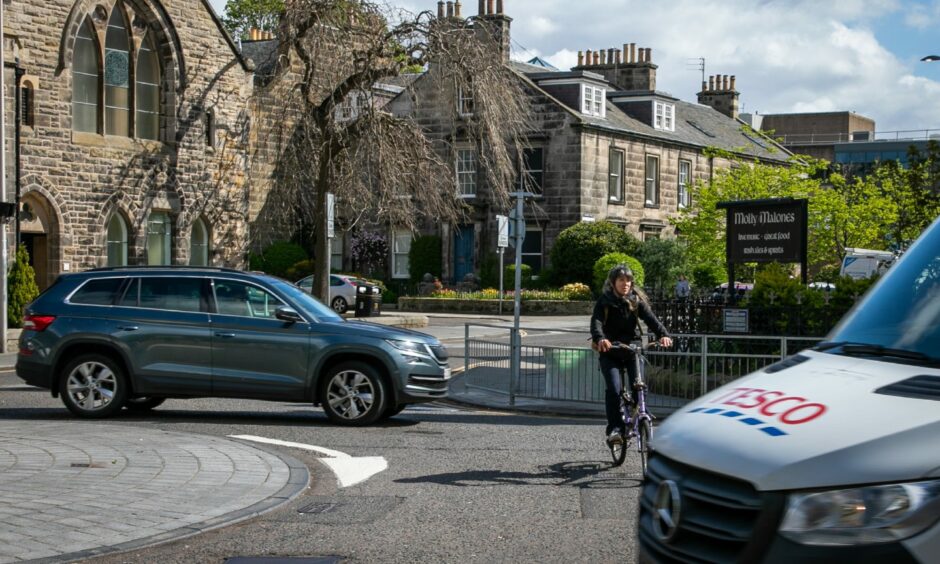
<point x="288" y="314"/>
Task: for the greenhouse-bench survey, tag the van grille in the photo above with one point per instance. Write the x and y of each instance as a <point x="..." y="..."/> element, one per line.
<point x="721" y="519"/>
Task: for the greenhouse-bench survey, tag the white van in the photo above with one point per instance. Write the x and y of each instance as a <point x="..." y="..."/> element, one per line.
<point x="831" y="455"/>
<point x="865" y="263"/>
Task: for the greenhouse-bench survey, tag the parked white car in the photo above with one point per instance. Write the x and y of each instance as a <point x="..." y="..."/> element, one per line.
<point x="342" y="290"/>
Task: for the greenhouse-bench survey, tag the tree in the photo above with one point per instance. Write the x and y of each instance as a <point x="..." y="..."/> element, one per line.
<point x="243" y="15"/>
<point x="383" y="168"/>
<point x="22" y="288"/>
<point x="841" y="213"/>
<point x="663" y="260"/>
<point x="914" y="192"/>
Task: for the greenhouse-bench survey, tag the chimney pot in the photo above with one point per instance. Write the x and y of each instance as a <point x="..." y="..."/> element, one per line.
<point x="597" y="58"/>
<point x="499" y="6"/>
<point x="616" y="56"/>
<point x="440" y="9"/>
<point x="580" y="58"/>
<point x="255" y="34"/>
<point x="603" y="56"/>
<point x="588" y="57"/>
<point x="649" y="54"/>
<point x="450" y="9"/>
<point x="457" y="9"/>
<point x="642" y="58"/>
<point x="489" y="7"/>
<point x="482" y="9"/>
<point x="732" y="82"/>
<point x="711" y="83"/>
<point x="610" y="56"/>
<point x="704" y="87"/>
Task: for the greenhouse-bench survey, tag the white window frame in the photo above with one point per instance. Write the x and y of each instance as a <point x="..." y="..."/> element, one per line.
<point x="199" y="247"/>
<point x="593" y="101"/>
<point x="618" y="174"/>
<point x="651" y="193"/>
<point x="685" y="178"/>
<point x="464" y="102"/>
<point x="400" y="266"/>
<point x="665" y="114"/>
<point x="465" y="167"/>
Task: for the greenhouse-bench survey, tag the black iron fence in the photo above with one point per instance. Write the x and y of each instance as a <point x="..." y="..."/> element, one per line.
<point x="703" y="316"/>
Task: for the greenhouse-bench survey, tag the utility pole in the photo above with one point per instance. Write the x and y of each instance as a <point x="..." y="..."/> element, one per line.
<point x="3" y="191"/>
<point x="516" y="341"/>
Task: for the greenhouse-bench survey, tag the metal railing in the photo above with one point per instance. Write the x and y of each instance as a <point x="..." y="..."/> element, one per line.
<point x="864" y="136"/>
<point x="568" y="371"/>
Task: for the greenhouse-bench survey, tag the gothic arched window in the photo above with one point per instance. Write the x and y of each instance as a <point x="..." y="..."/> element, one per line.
<point x="85" y="98"/>
<point x="199" y="244"/>
<point x="117" y="241"/>
<point x="117" y="70"/>
<point x="148" y="90"/>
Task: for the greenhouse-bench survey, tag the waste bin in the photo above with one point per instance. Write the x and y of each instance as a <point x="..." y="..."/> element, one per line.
<point x="368" y="300"/>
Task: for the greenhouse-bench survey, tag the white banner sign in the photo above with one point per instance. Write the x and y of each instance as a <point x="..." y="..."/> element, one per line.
<point x="502" y="240"/>
<point x="330" y="207"/>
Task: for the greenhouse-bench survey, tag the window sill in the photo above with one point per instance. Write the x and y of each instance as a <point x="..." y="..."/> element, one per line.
<point x="616" y="202"/>
<point x="651" y="205"/>
<point x="115" y="142"/>
<point x="466" y="196"/>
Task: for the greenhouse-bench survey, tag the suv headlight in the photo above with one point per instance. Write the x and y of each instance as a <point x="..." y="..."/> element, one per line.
<point x="873" y="514"/>
<point x="410" y="347"/>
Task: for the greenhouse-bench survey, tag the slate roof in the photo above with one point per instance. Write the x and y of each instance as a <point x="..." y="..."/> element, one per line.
<point x="696" y="125"/>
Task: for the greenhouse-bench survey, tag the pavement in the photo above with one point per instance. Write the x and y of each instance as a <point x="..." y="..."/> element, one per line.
<point x="73" y="491"/>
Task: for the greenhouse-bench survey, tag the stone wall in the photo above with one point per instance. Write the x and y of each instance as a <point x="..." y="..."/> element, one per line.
<point x="76" y="180"/>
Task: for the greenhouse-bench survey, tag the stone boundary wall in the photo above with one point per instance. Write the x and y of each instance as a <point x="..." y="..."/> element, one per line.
<point x="529" y="307"/>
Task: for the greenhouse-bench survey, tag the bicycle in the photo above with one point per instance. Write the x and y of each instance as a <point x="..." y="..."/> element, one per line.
<point x="641" y="420"/>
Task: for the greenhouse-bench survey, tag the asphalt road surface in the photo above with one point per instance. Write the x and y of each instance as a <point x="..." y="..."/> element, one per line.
<point x="461" y="485"/>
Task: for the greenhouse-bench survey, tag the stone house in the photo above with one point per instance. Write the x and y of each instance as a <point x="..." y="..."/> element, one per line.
<point x="131" y="133"/>
<point x="606" y="145"/>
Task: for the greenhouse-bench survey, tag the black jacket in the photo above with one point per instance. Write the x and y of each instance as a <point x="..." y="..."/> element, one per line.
<point x="613" y="320"/>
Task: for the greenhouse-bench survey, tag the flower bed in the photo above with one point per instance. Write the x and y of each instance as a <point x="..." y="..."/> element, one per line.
<point x="491" y="306"/>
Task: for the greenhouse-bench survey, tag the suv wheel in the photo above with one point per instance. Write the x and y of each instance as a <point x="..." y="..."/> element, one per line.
<point x="353" y="394"/>
<point x="338" y="304"/>
<point x="143" y="403"/>
<point x="93" y="386"/>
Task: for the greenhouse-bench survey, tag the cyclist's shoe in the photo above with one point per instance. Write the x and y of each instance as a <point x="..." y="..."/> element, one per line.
<point x="615" y="438"/>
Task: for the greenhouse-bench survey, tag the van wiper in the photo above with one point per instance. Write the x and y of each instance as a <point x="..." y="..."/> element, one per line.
<point x="878" y="350"/>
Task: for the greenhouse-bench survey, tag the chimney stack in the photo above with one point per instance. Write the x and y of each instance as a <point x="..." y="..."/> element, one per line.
<point x="720" y="95"/>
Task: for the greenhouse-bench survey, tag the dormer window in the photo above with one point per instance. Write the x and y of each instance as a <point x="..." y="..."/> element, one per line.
<point x="664" y="116"/>
<point x="592" y="101"/>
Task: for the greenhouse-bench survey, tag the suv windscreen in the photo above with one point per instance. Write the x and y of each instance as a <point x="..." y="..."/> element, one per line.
<point x="305" y="301"/>
<point x="901" y="314"/>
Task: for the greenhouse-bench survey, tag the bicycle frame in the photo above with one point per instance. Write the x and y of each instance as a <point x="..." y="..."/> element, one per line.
<point x="641" y="423"/>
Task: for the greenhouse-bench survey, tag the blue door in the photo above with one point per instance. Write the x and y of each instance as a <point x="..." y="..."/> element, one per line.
<point x="463" y="251"/>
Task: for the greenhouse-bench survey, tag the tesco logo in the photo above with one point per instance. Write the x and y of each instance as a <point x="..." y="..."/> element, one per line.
<point x="792" y="410"/>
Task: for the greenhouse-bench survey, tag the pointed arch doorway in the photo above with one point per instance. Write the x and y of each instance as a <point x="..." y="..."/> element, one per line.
<point x="39" y="232"/>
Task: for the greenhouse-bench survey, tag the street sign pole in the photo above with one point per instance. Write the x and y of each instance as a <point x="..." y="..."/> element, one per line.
<point x="518" y="235"/>
<point x="3" y="194"/>
<point x="502" y="241"/>
<point x="501" y="249"/>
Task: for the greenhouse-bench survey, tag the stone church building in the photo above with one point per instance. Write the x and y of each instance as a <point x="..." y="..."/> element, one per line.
<point x="127" y="127"/>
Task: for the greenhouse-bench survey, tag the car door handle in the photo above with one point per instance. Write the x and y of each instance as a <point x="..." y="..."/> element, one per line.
<point x="129" y="328"/>
<point x="225" y="335"/>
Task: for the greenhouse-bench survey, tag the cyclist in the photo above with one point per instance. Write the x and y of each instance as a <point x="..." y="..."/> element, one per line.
<point x="615" y="318"/>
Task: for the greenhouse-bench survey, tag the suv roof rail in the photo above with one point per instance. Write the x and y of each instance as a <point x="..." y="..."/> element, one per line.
<point x="167" y="267"/>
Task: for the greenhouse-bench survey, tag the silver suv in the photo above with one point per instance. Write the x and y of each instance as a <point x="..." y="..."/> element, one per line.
<point x="131" y="337"/>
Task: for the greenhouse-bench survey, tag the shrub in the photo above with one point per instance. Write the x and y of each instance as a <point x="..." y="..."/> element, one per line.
<point x="605" y="263"/>
<point x="489" y="270"/>
<point x="301" y="269"/>
<point x="425" y="257"/>
<point x="369" y="251"/>
<point x="707" y="276"/>
<point x="663" y="261"/>
<point x="389" y="297"/>
<point x="277" y="258"/>
<point x="21" y="287"/>
<point x="578" y="247"/>
<point x="577" y="291"/>
<point x="509" y="277"/>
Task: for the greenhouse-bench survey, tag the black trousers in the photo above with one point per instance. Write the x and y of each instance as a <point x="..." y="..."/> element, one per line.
<point x="612" y="366"/>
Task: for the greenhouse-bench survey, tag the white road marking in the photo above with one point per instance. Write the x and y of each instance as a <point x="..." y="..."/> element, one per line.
<point x="349" y="470"/>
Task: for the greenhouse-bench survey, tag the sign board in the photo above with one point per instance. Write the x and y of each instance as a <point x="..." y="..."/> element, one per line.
<point x="766" y="231"/>
<point x="735" y="320"/>
<point x="330" y="214"/>
<point x="502" y="229"/>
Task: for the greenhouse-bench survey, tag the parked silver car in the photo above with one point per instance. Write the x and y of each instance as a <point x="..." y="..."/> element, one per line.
<point x="342" y="290"/>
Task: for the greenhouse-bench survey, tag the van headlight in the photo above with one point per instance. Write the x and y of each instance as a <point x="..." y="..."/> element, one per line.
<point x="409" y="347"/>
<point x="873" y="514"/>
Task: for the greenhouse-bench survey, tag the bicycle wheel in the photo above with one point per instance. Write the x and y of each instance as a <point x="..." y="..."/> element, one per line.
<point x="644" y="434"/>
<point x="618" y="451"/>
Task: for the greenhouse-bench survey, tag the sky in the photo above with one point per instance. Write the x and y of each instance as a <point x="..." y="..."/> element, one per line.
<point x="788" y="55"/>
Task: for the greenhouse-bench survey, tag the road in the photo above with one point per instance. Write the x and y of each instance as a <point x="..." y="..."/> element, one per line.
<point x="461" y="484"/>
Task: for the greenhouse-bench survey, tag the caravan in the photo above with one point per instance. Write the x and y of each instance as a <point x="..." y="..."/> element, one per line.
<point x="865" y="263"/>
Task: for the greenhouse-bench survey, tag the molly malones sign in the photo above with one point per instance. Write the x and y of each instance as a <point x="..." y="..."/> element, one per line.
<point x="766" y="230"/>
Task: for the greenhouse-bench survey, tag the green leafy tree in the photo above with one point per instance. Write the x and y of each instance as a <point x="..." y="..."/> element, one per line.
<point x="841" y="213"/>
<point x="22" y="288"/>
<point x="663" y="260"/>
<point x="603" y="265"/>
<point x="242" y="15"/>
<point x="278" y="258"/>
<point x="425" y="257"/>
<point x="578" y="247"/>
<point x="914" y="192"/>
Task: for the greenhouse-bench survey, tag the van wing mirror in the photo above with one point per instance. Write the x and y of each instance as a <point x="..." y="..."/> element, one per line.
<point x="290" y="315"/>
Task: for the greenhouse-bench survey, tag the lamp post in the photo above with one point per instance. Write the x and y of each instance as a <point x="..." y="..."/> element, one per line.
<point x="930" y="58"/>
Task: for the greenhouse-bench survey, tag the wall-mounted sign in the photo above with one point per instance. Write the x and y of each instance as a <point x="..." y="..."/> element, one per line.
<point x="735" y="320"/>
